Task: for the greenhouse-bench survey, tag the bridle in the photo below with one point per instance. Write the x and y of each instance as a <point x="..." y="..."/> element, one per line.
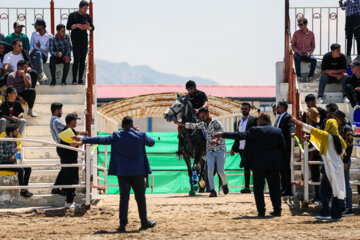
<point x="174" y="111"/>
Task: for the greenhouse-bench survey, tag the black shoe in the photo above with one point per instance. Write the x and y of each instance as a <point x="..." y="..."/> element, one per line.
<point x="245" y="190"/>
<point x="81" y="82"/>
<point x="275" y="214"/>
<point x="225" y="189"/>
<point x="25" y="193"/>
<point x="348" y="212"/>
<point x="55" y="191"/>
<point x="53" y="83"/>
<point x="147" y="224"/>
<point x="213" y="193"/>
<point x="74" y="83"/>
<point x="287" y="194"/>
<point x="63" y="83"/>
<point x="261" y="215"/>
<point x="121" y="229"/>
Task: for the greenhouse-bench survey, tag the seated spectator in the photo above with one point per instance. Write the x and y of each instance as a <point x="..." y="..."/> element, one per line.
<point x="12" y="112"/>
<point x="18" y="27"/>
<point x="39" y="48"/>
<point x="12" y="58"/>
<point x="2" y="72"/>
<point x="333" y="68"/>
<point x="303" y="45"/>
<point x="352" y="87"/>
<point x="2" y="37"/>
<point x="7" y="156"/>
<point x="22" y="82"/>
<point x="60" y="50"/>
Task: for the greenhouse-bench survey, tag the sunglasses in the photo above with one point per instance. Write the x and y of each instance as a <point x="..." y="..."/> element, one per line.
<point x="244" y="108"/>
<point x="301" y="24"/>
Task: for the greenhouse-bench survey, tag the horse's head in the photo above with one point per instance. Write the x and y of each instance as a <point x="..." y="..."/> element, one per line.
<point x="176" y="110"/>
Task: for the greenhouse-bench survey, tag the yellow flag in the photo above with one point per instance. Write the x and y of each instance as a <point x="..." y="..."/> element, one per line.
<point x="67" y="135"/>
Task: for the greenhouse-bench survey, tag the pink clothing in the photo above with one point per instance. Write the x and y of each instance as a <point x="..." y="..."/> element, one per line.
<point x="302" y="43"/>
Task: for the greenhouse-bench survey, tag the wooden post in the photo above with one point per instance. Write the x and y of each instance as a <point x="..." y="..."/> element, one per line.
<point x="90" y="83"/>
<point x="52" y="13"/>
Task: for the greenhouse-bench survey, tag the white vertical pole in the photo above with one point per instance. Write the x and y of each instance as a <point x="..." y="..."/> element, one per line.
<point x="94" y="173"/>
<point x="105" y="166"/>
<point x="87" y="175"/>
<point x="292" y="157"/>
<point x="306" y="172"/>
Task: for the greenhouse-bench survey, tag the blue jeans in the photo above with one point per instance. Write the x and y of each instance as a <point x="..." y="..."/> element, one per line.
<point x="298" y="59"/>
<point x="219" y="158"/>
<point x="38" y="59"/>
<point x="325" y="79"/>
<point x="348" y="187"/>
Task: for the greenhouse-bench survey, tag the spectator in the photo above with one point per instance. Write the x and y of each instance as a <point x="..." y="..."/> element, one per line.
<point x="347" y="134"/>
<point x="330" y="110"/>
<point x="333" y="68"/>
<point x="351" y="25"/>
<point x="130" y="164"/>
<point x="215" y="148"/>
<point x="79" y="23"/>
<point x="352" y="87"/>
<point x="303" y="45"/>
<point x="2" y="72"/>
<point x="288" y="130"/>
<point x="7" y="156"/>
<point x="2" y="37"/>
<point x="310" y="101"/>
<point x="245" y="123"/>
<point x="60" y="50"/>
<point x="40" y="48"/>
<point x="18" y="27"/>
<point x="12" y="112"/>
<point x="12" y="58"/>
<point x="22" y="82"/>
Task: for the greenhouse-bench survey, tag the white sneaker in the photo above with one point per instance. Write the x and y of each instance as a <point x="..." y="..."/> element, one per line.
<point x="320" y="100"/>
<point x="319" y="217"/>
<point x="346" y="100"/>
<point x="32" y="114"/>
<point x="43" y="77"/>
<point x="70" y="205"/>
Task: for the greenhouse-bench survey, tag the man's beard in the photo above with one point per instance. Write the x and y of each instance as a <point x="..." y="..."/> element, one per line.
<point x="245" y="113"/>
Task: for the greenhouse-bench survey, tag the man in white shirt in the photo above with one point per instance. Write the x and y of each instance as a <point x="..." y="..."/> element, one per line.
<point x="39" y="47"/>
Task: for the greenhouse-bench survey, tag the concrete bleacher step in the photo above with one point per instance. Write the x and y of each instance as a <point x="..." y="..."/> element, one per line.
<point x="62" y="98"/>
<point x="40" y="153"/>
<point x="68" y="89"/>
<point x="44" y="108"/>
<point x="44" y="119"/>
<point x="47" y="138"/>
<point x="43" y="131"/>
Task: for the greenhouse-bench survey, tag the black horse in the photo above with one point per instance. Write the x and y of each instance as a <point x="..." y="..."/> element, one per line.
<point x="192" y="143"/>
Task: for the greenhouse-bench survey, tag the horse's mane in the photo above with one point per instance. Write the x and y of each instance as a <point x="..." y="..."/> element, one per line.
<point x="188" y="113"/>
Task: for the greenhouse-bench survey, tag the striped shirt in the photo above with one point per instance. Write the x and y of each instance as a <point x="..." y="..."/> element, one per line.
<point x="56" y="127"/>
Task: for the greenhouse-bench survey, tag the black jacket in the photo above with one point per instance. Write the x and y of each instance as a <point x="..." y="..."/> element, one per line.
<point x="347" y="134"/>
<point x="252" y="122"/>
<point x="287" y="127"/>
<point x="353" y="81"/>
<point x="78" y="35"/>
<point x="263" y="148"/>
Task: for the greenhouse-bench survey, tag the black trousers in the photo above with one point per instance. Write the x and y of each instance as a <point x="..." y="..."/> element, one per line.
<point x="22" y="173"/>
<point x="273" y="179"/>
<point x="34" y="77"/>
<point x="352" y="95"/>
<point x="247" y="173"/>
<point x="29" y="95"/>
<point x="285" y="173"/>
<point x="352" y="28"/>
<point x="80" y="50"/>
<point x="137" y="183"/>
<point x="55" y="60"/>
<point x="315" y="171"/>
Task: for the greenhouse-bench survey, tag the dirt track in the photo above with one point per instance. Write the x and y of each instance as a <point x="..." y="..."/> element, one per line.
<point x="179" y="217"/>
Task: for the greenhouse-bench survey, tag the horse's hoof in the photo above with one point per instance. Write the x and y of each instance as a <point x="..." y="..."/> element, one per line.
<point x="191" y="194"/>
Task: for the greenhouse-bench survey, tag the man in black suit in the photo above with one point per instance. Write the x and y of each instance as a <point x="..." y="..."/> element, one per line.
<point x="262" y="154"/>
<point x="288" y="130"/>
<point x="244" y="124"/>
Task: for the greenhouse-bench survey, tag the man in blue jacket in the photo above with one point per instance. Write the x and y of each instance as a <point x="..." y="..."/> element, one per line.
<point x="130" y="164"/>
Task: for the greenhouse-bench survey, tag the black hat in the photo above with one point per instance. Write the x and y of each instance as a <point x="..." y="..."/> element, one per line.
<point x="190" y="84"/>
<point x="70" y="117"/>
<point x="40" y="22"/>
<point x="341" y="115"/>
<point x="355" y="63"/>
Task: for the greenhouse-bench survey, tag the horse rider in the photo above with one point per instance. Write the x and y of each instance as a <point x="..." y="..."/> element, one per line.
<point x="198" y="98"/>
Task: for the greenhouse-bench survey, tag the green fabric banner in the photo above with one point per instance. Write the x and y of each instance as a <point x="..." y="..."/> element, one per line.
<point x="162" y="157"/>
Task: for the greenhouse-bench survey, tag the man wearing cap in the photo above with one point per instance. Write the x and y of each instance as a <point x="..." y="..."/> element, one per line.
<point x="347" y="134"/>
<point x="39" y="47"/>
<point x="352" y="87"/>
<point x="18" y="26"/>
<point x="198" y="98"/>
<point x="333" y="67"/>
<point x="130" y="164"/>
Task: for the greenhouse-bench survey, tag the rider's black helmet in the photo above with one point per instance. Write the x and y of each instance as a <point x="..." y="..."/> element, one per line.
<point x="190" y="84"/>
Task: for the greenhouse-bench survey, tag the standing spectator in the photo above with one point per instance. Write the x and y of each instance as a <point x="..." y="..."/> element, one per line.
<point x="130" y="164"/>
<point x="215" y="148"/>
<point x="310" y="101"/>
<point x="288" y="130"/>
<point x="12" y="58"/>
<point x="7" y="156"/>
<point x="264" y="145"/>
<point x="21" y="80"/>
<point x="79" y="23"/>
<point x="351" y="25"/>
<point x="18" y="27"/>
<point x="347" y="134"/>
<point x="352" y="87"/>
<point x="333" y="68"/>
<point x="40" y="48"/>
<point x="245" y="123"/>
<point x="303" y="45"/>
<point x="60" y="50"/>
<point x="12" y="112"/>
<point x="330" y="113"/>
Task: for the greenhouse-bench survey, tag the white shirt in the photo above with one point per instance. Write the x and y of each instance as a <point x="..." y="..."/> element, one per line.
<point x="12" y="59"/>
<point x="280" y="117"/>
<point x="44" y="42"/>
<point x="242" y="128"/>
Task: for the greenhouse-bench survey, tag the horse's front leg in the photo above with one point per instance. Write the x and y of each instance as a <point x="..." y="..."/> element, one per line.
<point x="190" y="173"/>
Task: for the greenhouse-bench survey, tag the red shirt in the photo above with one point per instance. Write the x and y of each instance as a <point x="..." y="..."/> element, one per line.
<point x="303" y="42"/>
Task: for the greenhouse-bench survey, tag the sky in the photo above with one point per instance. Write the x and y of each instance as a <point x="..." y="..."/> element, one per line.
<point x="234" y="42"/>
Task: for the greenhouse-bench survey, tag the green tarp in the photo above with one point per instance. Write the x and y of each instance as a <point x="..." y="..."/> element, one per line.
<point x="171" y="181"/>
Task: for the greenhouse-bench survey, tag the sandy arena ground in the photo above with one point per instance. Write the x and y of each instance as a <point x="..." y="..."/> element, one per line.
<point x="179" y="217"/>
